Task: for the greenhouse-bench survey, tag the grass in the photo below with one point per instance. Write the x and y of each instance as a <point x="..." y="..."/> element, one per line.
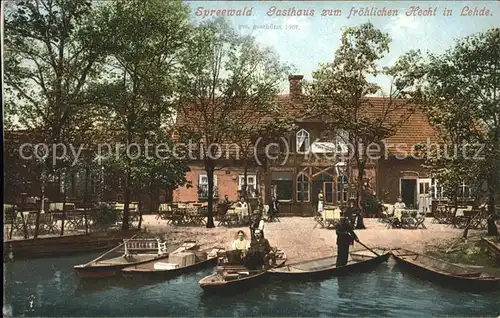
<point x="460" y="251"/>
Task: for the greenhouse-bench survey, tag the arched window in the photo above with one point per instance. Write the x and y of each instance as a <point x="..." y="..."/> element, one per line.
<point x="302" y="138"/>
<point x="303" y="186"/>
<point x="342" y="187"/>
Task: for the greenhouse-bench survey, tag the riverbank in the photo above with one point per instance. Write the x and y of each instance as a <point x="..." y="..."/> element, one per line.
<point x="301" y="241"/>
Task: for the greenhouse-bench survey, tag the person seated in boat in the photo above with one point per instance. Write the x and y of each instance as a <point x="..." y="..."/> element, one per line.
<point x="259" y="252"/>
<point x="241" y="244"/>
<point x="345" y="238"/>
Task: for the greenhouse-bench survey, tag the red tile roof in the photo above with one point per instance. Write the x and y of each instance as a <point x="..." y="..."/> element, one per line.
<point x="415" y="130"/>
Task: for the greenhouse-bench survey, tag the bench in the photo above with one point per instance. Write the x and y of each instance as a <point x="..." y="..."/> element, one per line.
<point x="135" y="246"/>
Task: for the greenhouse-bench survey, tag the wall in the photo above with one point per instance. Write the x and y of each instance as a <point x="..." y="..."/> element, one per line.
<point x="389" y="172"/>
<point x="227" y="182"/>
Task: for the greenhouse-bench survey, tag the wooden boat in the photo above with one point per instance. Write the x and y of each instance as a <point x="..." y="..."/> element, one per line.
<point x="158" y="269"/>
<point x="358" y="261"/>
<point x="437" y="270"/>
<point x="130" y="252"/>
<point x="64" y="245"/>
<point x="228" y="276"/>
<point x="494" y="247"/>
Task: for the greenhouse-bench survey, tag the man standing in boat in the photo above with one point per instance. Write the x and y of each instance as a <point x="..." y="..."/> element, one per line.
<point x="345" y="237"/>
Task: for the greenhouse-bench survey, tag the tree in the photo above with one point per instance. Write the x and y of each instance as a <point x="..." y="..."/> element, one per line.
<point x="264" y="127"/>
<point x="143" y="42"/>
<point x="340" y="90"/>
<point x="460" y="93"/>
<point x="227" y="79"/>
<point x="51" y="55"/>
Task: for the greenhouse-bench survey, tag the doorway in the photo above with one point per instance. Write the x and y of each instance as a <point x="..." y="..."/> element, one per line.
<point x="408" y="190"/>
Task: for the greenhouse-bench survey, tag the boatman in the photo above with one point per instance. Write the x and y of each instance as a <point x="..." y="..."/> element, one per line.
<point x="345" y="237"/>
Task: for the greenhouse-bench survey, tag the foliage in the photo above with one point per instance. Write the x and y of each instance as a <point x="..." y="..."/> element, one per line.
<point x="139" y="90"/>
<point x="373" y="205"/>
<point x="228" y="82"/>
<point x="105" y="215"/>
<point x="459" y="92"/>
<point x="340" y="89"/>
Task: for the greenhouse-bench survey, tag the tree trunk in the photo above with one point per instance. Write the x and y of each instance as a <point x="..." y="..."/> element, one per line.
<point x="42" y="197"/>
<point x="360" y="224"/>
<point x="139" y="205"/>
<point x="492" y="227"/>
<point x="63" y="207"/>
<point x="126" y="190"/>
<point x="85" y="198"/>
<point x="209" y="168"/>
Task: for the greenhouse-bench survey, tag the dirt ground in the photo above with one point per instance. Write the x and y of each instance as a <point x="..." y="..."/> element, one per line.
<point x="301" y="241"/>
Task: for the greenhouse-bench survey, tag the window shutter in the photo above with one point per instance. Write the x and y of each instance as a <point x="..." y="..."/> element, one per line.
<point x="215" y="180"/>
<point x="200" y="178"/>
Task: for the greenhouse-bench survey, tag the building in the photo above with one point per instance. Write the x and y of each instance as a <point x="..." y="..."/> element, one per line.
<point x="304" y="167"/>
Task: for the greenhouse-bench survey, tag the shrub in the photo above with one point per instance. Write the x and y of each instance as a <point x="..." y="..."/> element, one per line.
<point x="105" y="215"/>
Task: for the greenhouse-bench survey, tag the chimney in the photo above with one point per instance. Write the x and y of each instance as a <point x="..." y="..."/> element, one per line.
<point x="295" y="85"/>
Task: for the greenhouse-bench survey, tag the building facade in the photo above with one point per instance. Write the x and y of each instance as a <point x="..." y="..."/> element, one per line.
<point x="305" y="165"/>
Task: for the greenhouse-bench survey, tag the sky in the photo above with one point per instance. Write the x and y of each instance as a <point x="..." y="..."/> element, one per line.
<point x="315" y="38"/>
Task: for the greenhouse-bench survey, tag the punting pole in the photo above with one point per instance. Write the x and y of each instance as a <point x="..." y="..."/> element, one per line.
<point x="368" y="248"/>
<point x="111" y="250"/>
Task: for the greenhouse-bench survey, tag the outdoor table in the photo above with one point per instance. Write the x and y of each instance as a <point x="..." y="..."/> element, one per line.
<point x="328" y="218"/>
<point x="230" y="219"/>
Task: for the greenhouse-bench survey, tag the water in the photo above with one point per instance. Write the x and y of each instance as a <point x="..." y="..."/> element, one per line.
<point x="47" y="287"/>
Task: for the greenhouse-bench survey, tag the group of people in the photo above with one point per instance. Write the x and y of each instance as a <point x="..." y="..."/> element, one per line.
<point x="255" y="254"/>
<point x="273" y="204"/>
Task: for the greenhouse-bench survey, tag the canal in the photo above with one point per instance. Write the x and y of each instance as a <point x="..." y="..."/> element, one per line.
<point x="47" y="287"/>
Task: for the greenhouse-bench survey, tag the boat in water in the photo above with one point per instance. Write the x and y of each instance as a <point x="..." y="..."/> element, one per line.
<point x="229" y="275"/>
<point x="358" y="261"/>
<point x="176" y="264"/>
<point x="129" y="252"/>
<point x="436" y="270"/>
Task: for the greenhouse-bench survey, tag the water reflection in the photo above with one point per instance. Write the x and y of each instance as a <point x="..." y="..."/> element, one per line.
<point x="49" y="288"/>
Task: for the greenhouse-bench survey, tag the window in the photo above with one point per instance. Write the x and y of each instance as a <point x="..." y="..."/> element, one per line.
<point x="203" y="187"/>
<point x="302" y="138"/>
<point x="464" y="191"/>
<point x="328" y="191"/>
<point x="342" y="141"/>
<point x="303" y="188"/>
<point x="251" y="183"/>
<point x="342" y="188"/>
<point x="282" y="185"/>
<point x="437" y="190"/>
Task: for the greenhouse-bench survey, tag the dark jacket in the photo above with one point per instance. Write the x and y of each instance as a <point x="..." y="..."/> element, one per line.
<point x="345" y="232"/>
<point x="261" y="246"/>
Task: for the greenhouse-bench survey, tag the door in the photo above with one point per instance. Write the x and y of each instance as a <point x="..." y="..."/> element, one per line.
<point x="408" y="191"/>
<point x="316" y="187"/>
<point x="328" y="192"/>
<point x="424" y="195"/>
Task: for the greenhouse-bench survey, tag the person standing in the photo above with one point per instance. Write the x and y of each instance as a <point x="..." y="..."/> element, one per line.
<point x="273" y="208"/>
<point x="320" y="202"/>
<point x="257" y="224"/>
<point x="345" y="237"/>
